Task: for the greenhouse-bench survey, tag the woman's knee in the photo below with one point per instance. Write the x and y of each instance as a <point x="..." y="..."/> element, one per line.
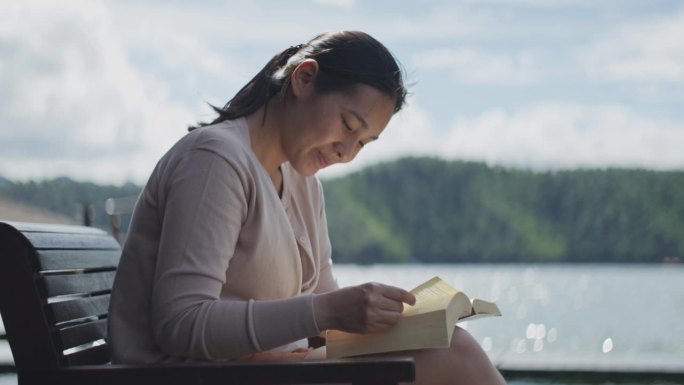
<point x="463" y="342"/>
<point x="475" y="366"/>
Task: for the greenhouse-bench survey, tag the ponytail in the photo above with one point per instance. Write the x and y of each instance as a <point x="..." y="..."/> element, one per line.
<point x="345" y="59"/>
<point x="256" y="92"/>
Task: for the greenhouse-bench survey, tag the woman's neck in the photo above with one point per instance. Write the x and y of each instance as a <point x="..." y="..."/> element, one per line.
<point x="265" y="140"/>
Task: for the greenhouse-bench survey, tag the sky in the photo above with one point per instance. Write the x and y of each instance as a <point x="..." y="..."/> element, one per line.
<point x="98" y="90"/>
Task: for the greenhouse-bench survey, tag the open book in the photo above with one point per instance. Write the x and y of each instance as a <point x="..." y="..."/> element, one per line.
<point x="428" y="323"/>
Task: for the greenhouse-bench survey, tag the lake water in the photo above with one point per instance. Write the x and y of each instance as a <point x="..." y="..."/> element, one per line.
<point x="564" y="317"/>
<point x="558" y="317"/>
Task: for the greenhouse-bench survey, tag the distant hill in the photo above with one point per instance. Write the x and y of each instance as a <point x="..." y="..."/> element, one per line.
<point x="19" y="212"/>
<point x="431" y="210"/>
<point x="68" y="197"/>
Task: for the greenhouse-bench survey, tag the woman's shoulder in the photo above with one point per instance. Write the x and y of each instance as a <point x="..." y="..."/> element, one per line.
<point x="228" y="139"/>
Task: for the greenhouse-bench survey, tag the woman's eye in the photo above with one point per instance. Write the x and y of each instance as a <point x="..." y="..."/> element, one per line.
<point x="347" y="126"/>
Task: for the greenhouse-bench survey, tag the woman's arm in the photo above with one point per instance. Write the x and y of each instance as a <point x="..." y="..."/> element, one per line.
<point x="205" y="201"/>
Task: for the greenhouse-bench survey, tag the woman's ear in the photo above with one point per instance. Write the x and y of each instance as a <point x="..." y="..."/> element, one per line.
<point x="303" y="77"/>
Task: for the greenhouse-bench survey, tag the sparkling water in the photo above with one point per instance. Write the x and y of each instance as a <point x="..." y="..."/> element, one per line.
<point x="563" y="317"/>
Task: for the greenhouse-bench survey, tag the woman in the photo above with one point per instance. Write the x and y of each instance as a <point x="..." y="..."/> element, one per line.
<point x="228" y="256"/>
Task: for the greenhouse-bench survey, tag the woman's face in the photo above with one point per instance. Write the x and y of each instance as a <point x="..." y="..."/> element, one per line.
<point x="328" y="128"/>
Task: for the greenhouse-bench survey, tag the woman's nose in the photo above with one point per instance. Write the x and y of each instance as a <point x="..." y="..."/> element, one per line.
<point x="343" y="151"/>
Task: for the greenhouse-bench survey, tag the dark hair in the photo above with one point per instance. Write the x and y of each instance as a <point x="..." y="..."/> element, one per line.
<point x="345" y="59"/>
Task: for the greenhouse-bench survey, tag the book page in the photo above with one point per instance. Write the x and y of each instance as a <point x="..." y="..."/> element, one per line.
<point x="481" y="306"/>
<point x="434" y="288"/>
<point x="430" y="295"/>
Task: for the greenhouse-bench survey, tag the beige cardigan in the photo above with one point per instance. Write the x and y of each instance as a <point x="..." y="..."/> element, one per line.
<point x="216" y="265"/>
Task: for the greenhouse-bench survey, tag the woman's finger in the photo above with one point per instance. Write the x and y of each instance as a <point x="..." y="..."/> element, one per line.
<point x="399" y="294"/>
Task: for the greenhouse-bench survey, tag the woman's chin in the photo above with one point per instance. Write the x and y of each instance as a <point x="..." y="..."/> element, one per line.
<point x="306" y="171"/>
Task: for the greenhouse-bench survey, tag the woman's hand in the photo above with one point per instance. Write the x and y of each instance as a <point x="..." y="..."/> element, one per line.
<point x="366" y="308"/>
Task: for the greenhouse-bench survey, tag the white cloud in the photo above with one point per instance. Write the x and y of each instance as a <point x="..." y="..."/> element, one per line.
<point x="471" y="66"/>
<point x="222" y="25"/>
<point x="651" y="51"/>
<point x="190" y="40"/>
<point x="337" y="3"/>
<point x="446" y="22"/>
<point x="556" y="135"/>
<point x="76" y="106"/>
<point x="544" y="136"/>
<point x="75" y="102"/>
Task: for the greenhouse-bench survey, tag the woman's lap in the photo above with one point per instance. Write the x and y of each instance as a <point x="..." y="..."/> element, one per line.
<point x="463" y="362"/>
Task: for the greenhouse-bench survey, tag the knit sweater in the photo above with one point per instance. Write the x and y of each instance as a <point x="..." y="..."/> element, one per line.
<point x="216" y="264"/>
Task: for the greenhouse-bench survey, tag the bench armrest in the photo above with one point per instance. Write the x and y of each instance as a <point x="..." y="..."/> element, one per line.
<point x="350" y="370"/>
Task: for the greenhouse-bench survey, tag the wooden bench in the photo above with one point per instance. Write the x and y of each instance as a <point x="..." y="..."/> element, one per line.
<point x="54" y="296"/>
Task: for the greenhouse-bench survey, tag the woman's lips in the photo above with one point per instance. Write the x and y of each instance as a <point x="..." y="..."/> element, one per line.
<point x="322" y="160"/>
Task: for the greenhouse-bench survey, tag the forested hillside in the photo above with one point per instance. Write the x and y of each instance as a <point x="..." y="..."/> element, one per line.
<point x="430" y="210"/>
<point x="68" y="197"/>
<point x="435" y="211"/>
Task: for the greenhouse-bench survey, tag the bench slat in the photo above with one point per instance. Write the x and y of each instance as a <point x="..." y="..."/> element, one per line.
<point x="86" y="283"/>
<point x="72" y="241"/>
<point x="91" y="356"/>
<point x="27" y="227"/>
<point x="78" y="259"/>
<point x="84" y="333"/>
<point x="79" y="308"/>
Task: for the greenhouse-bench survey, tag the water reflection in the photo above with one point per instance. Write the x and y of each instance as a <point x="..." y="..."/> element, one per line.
<point x="564" y="315"/>
<point x="607" y="345"/>
<point x="487" y="344"/>
<point x="552" y="335"/>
